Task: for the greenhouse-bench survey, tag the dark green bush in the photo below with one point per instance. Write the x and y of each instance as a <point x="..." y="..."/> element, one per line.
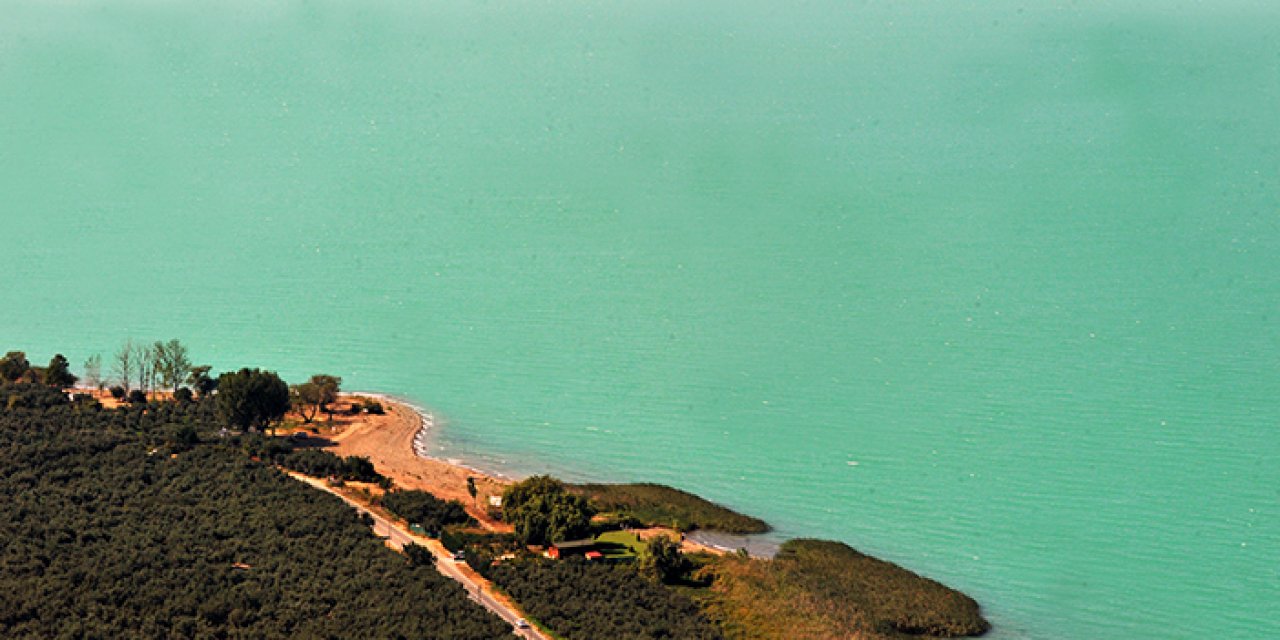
<point x="493" y="544"/>
<point x="581" y="600"/>
<point x="323" y="464"/>
<point x="419" y="556"/>
<point x="30" y="396"/>
<point x="542" y="511"/>
<point x="185" y="437"/>
<point x="423" y="509"/>
<point x="265" y="447"/>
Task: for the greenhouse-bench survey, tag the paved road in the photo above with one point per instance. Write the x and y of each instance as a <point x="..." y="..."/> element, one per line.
<point x="399" y="537"/>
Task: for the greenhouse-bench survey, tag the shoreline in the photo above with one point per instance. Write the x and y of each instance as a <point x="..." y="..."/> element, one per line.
<point x="422" y="443"/>
<point x="399" y="445"/>
<point x="388" y="440"/>
<point x="758" y="591"/>
<point x="757" y="586"/>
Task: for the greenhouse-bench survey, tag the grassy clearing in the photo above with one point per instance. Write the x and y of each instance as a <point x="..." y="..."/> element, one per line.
<point x="821" y="590"/>
<point x="663" y="506"/>
<point x="619" y="544"/>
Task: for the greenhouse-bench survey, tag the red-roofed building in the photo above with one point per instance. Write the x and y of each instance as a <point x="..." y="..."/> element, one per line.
<point x="568" y="548"/>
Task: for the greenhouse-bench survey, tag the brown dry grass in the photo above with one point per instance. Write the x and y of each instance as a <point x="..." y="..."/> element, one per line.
<point x="822" y="590"/>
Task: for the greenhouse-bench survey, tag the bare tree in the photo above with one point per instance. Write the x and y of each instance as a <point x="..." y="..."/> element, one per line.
<point x="171" y="363"/>
<point x="93" y="372"/>
<point x="124" y="363"/>
<point x="144" y="355"/>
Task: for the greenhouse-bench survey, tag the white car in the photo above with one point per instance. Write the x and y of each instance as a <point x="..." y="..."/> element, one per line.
<point x="522" y="624"/>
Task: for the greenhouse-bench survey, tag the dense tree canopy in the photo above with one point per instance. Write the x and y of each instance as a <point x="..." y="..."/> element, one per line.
<point x="13" y="366"/>
<point x="662" y="559"/>
<point x="323" y="464"/>
<point x="200" y="380"/>
<point x="315" y="395"/>
<point x="58" y="373"/>
<point x="543" y="512"/>
<point x="581" y="600"/>
<point x="521" y="492"/>
<point x="105" y="534"/>
<point x="171" y="363"/>
<point x="424" y="509"/>
<point x="252" y="399"/>
<point x="29" y="396"/>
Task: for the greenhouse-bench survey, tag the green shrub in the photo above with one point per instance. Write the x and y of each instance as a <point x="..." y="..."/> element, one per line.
<point x="26" y="395"/>
<point x="423" y="509"/>
<point x="542" y="511"/>
<point x="419" y="556"/>
<point x="581" y="600"/>
<point x="323" y="464"/>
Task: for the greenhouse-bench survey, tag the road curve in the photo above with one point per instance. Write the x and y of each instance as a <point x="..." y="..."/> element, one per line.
<point x="397" y="537"/>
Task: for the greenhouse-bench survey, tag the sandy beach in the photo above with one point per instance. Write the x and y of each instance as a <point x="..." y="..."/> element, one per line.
<point x="388" y="441"/>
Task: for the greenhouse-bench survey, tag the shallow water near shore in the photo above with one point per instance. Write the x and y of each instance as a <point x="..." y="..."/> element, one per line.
<point x="986" y="289"/>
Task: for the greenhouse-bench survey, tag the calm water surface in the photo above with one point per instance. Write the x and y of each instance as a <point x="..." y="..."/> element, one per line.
<point x="990" y="289"/>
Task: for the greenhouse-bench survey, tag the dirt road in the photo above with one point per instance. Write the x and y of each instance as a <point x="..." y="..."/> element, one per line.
<point x="397" y="537"/>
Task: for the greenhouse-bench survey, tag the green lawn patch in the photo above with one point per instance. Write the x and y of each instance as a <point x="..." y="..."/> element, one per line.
<point x="619" y="544"/>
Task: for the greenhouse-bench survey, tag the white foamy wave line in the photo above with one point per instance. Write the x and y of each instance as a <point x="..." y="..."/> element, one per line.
<point x="423" y="445"/>
<point x="759" y="546"/>
<point x="426" y="422"/>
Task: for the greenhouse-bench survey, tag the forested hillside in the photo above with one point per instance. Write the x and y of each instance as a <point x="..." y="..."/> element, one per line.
<point x="146" y="522"/>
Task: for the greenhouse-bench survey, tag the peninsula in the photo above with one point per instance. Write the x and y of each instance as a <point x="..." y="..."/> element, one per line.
<point x="845" y="593"/>
<point x="180" y="512"/>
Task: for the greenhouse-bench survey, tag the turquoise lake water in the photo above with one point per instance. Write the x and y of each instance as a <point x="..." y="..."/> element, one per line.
<point x="990" y="289"/>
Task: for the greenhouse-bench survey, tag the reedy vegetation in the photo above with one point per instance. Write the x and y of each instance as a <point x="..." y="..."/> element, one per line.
<point x="823" y="590"/>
